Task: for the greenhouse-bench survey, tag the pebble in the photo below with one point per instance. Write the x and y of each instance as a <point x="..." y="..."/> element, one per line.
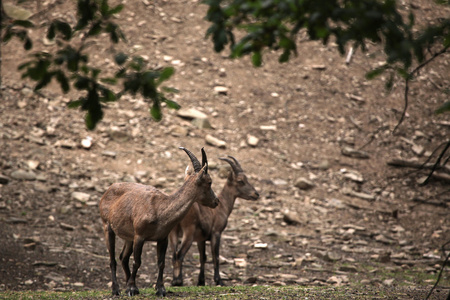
<point x="252" y="140"/>
<point x="215" y="141"/>
<point x="80" y="196"/>
<point x="303" y="184"/>
<point x="4" y="179"/>
<point x="23" y="175"/>
<point x="350" y="152"/>
<point x="191" y="113"/>
<point x="201" y="123"/>
<point x="220" y="90"/>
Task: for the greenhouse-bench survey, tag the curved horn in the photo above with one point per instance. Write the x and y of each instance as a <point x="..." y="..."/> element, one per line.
<point x="194" y="160"/>
<point x="204" y="161"/>
<point x="236" y="168"/>
<point x="237" y="163"/>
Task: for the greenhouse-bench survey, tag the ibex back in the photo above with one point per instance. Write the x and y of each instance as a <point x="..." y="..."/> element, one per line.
<point x="138" y="213"/>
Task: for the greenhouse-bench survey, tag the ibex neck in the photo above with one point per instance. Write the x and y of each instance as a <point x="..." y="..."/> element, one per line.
<point x="227" y="198"/>
<point x="180" y="201"/>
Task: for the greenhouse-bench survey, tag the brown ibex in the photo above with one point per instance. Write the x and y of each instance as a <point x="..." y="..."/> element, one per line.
<point x="138" y="213"/>
<point x="202" y="224"/>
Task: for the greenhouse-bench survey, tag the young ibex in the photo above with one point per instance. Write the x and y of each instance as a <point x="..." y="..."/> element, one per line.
<point x="138" y="213"/>
<point x="202" y="224"/>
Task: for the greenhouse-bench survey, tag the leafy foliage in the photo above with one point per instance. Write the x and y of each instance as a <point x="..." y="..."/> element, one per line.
<point x="70" y="66"/>
<point x="274" y="24"/>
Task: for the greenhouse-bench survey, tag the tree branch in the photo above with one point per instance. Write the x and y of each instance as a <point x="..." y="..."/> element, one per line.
<point x="408" y="79"/>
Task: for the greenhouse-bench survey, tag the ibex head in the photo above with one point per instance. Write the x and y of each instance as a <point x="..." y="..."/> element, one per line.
<point x="203" y="181"/>
<point x="239" y="180"/>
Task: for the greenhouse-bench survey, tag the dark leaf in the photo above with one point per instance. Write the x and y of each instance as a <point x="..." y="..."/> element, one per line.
<point x="120" y="58"/>
<point x="376" y="72"/>
<point x="115" y="10"/>
<point x="172" y="104"/>
<point x="23" y="23"/>
<point x="155" y="112"/>
<point x="63" y="82"/>
<point x="75" y="103"/>
<point x="257" y="59"/>
<point x="165" y="74"/>
<point x="28" y="44"/>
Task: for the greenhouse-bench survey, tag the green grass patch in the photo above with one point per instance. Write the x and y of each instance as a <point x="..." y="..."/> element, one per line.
<point x="210" y="292"/>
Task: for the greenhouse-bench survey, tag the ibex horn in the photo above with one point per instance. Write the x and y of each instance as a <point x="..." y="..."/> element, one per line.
<point x="204" y="161"/>
<point x="194" y="160"/>
<point x="236" y="167"/>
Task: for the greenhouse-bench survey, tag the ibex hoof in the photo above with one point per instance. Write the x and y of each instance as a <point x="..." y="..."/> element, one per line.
<point x="220" y="282"/>
<point x="161" y="292"/>
<point x="132" y="291"/>
<point x="177" y="282"/>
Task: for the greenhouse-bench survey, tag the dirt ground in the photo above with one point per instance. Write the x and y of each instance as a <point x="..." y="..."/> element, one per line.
<point x="360" y="223"/>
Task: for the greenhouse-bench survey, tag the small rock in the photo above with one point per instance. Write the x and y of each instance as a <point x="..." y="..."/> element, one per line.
<point x="260" y="246"/>
<point x="67" y="226"/>
<point x="191" y="113"/>
<point x="119" y="136"/>
<point x="240" y="262"/>
<point x="348" y="151"/>
<point x="33" y="164"/>
<point x="179" y="131"/>
<point x="78" y="284"/>
<point x="30" y="246"/>
<point x="418" y="150"/>
<point x="4" y="179"/>
<point x="268" y="127"/>
<point x="201" y="123"/>
<point x="80" y="196"/>
<point x="23" y="175"/>
<point x="220" y="90"/>
<point x="332" y="256"/>
<point x="252" y="140"/>
<point x="318" y="67"/>
<point x="28" y="282"/>
<point x="303" y="184"/>
<point x="215" y="141"/>
<point x="251" y="279"/>
<point x="291" y="218"/>
<point x="388" y="282"/>
<point x="86" y="143"/>
<point x="68" y="144"/>
<point x="349" y="268"/>
<point x="109" y="153"/>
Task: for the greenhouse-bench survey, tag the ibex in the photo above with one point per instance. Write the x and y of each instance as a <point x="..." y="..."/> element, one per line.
<point x="138" y="213"/>
<point x="202" y="224"/>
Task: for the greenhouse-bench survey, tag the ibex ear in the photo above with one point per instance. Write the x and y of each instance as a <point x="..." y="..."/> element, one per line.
<point x="201" y="173"/>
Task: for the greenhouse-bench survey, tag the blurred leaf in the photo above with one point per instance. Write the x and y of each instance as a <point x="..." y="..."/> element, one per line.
<point x="117" y="9"/>
<point x="28" y="44"/>
<point x="390" y="82"/>
<point x="75" y="103"/>
<point x="257" y="59"/>
<point x="65" y="29"/>
<point x="172" y="104"/>
<point x="23" y="23"/>
<point x="51" y="31"/>
<point x="120" y="58"/>
<point x="155" y="112"/>
<point x="44" y="81"/>
<point x="165" y="74"/>
<point x="170" y="90"/>
<point x="63" y="82"/>
<point x="109" y="80"/>
<point x="376" y="72"/>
